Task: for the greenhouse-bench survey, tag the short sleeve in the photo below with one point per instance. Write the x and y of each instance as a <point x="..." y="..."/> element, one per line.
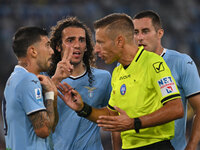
<point x="163" y="81"/>
<point x="190" y="80"/>
<point x="30" y="94"/>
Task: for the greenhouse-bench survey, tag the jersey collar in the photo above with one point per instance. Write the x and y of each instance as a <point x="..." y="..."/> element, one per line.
<point x="139" y="53"/>
<point x="20" y="67"/>
<point x="163" y="52"/>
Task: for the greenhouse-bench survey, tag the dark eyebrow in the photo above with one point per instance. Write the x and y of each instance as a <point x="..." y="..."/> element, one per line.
<point x="82" y="37"/>
<point x="71" y="38"/>
<point x="145" y="29"/>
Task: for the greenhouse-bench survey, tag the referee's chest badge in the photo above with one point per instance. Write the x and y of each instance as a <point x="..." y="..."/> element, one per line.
<point x="123" y="89"/>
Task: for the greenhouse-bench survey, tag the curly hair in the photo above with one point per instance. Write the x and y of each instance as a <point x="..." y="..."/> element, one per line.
<point x="56" y="41"/>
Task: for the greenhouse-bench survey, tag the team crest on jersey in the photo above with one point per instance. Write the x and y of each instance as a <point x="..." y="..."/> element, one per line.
<point x="167" y="86"/>
<point x="123" y="89"/>
<point x="158" y="66"/>
<point x="90" y="91"/>
<point x="38" y="93"/>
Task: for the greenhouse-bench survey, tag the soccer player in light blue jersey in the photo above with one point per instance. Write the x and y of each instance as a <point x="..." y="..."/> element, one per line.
<point x="148" y="33"/>
<point x="28" y="114"/>
<point x="74" y="132"/>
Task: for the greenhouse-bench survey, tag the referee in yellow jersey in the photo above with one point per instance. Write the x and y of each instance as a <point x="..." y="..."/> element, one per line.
<point x="144" y="99"/>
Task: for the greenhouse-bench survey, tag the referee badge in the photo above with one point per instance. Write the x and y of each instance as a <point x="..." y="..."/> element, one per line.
<point x="158" y="66"/>
<point x="123" y="89"/>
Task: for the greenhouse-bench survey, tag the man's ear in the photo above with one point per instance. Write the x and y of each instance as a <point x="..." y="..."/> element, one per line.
<point x="32" y="51"/>
<point x="120" y="41"/>
<point x="160" y="33"/>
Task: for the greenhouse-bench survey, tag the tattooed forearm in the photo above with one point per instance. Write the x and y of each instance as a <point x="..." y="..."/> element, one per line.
<point x="40" y="119"/>
<point x="49" y="104"/>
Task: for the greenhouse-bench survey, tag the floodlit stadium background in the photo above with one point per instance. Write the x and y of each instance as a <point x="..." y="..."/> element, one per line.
<point x="181" y="21"/>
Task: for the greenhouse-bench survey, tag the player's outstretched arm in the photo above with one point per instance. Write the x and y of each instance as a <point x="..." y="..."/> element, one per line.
<point x="73" y="99"/>
<point x="170" y="111"/>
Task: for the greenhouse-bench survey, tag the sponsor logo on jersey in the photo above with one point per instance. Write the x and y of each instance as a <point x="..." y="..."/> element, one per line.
<point x="169" y="89"/>
<point x="158" y="66"/>
<point x="123" y="89"/>
<point x="34" y="81"/>
<point x="167" y="86"/>
<point x="125" y="77"/>
<point x="90" y="91"/>
<point x="38" y="93"/>
<point x="190" y="62"/>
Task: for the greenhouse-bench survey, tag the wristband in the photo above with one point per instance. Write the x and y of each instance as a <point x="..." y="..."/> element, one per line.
<point x="137" y="124"/>
<point x="85" y="111"/>
<point x="49" y="95"/>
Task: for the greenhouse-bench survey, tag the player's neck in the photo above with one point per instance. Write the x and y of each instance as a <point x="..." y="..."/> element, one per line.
<point x="159" y="50"/>
<point x="78" y="69"/>
<point x="24" y="62"/>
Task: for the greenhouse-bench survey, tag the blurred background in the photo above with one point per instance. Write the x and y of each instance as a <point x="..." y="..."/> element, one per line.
<point x="181" y="21"/>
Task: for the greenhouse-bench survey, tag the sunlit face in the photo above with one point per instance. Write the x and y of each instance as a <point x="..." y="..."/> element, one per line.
<point x="145" y="34"/>
<point x="45" y="52"/>
<point x="74" y="37"/>
<point x="105" y="47"/>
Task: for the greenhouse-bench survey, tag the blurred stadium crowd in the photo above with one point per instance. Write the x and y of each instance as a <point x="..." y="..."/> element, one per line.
<point x="181" y="22"/>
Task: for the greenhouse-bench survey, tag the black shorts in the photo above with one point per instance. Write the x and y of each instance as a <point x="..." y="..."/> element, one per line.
<point x="163" y="145"/>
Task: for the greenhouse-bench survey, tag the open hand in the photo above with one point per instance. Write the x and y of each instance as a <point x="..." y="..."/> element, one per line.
<point x="70" y="96"/>
<point x="116" y="123"/>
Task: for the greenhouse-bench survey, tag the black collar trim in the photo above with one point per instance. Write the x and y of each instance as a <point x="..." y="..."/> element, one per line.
<point x="78" y="77"/>
<point x="139" y="55"/>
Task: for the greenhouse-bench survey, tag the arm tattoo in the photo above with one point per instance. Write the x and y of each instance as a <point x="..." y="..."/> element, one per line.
<point x="40" y="119"/>
<point x="49" y="104"/>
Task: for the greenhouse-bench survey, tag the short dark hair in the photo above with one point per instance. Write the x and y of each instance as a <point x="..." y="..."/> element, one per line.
<point x="56" y="41"/>
<point x="117" y="22"/>
<point x="24" y="37"/>
<point x="156" y="21"/>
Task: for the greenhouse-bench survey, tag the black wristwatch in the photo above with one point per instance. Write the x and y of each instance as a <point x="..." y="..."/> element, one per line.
<point x="85" y="111"/>
<point x="137" y="124"/>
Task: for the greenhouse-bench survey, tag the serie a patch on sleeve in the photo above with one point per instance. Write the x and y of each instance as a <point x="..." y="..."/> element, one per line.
<point x="167" y="86"/>
<point x="38" y="93"/>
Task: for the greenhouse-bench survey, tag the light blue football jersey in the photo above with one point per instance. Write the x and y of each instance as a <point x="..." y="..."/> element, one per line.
<point x="186" y="75"/>
<point x="23" y="96"/>
<point x="77" y="133"/>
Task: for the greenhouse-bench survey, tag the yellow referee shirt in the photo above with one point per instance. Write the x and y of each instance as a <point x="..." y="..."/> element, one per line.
<point x="141" y="89"/>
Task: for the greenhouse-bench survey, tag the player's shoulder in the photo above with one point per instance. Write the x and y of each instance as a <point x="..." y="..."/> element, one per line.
<point x="30" y="76"/>
<point x="178" y="56"/>
<point x="101" y="72"/>
<point x="28" y="79"/>
<point x="152" y="58"/>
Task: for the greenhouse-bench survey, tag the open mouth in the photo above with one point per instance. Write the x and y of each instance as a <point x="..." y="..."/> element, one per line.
<point x="141" y="45"/>
<point x="76" y="53"/>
